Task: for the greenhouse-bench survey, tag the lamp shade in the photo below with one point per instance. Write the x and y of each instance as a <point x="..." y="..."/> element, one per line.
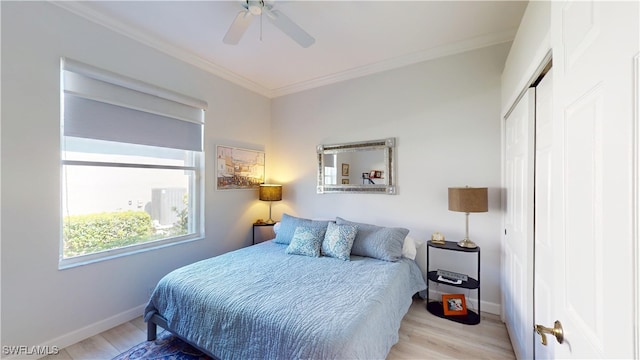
<point x="270" y="192"/>
<point x="468" y="199"/>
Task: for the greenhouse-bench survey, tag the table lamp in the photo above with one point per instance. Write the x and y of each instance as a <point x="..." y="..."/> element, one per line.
<point x="468" y="200"/>
<point x="270" y="193"/>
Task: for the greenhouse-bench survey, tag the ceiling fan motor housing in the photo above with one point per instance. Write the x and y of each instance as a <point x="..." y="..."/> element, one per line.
<point x="281" y="21"/>
<point x="255" y="6"/>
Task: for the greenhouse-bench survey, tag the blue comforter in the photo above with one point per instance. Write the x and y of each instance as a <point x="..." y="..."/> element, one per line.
<point x="260" y="303"/>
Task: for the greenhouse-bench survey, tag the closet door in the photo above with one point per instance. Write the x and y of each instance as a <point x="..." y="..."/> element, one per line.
<point x="545" y="185"/>
<point x="518" y="239"/>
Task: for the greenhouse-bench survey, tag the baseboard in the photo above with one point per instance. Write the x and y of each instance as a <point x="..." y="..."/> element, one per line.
<point x="83" y="333"/>
<point x="488" y="307"/>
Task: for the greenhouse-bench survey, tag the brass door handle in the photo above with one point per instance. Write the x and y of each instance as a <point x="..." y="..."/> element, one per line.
<point x="555" y="331"/>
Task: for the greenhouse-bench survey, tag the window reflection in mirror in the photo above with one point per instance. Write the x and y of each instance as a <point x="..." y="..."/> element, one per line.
<point x="330" y="170"/>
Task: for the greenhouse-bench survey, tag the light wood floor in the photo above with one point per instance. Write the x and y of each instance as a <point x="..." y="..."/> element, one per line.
<point x="422" y="336"/>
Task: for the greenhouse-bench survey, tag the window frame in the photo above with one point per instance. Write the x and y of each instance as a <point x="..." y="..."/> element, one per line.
<point x="196" y="165"/>
<point x="196" y="205"/>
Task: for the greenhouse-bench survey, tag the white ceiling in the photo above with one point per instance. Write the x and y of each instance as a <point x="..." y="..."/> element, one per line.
<point x="353" y="38"/>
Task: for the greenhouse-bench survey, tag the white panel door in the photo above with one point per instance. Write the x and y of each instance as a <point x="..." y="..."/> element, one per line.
<point x="518" y="239"/>
<point x="544" y="273"/>
<point x="591" y="212"/>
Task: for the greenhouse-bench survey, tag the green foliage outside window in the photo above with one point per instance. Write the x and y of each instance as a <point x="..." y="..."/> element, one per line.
<point x="86" y="234"/>
<point x="182" y="225"/>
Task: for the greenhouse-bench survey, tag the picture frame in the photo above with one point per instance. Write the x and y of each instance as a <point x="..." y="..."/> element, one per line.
<point x="454" y="304"/>
<point x="239" y="169"/>
<point x="345" y="181"/>
<point x="345" y="169"/>
<point x="375" y="174"/>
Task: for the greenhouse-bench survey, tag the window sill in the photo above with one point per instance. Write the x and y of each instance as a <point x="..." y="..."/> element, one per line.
<point x="82" y="260"/>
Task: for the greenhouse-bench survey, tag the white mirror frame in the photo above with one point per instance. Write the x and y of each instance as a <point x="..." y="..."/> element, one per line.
<point x="388" y="147"/>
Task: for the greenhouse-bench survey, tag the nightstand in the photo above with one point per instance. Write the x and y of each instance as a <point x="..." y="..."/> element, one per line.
<point x="436" y="307"/>
<point x="263" y="232"/>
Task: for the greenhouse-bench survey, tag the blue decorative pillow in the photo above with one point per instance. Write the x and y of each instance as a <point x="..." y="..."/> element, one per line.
<point x="288" y="225"/>
<point x="376" y="241"/>
<point x="306" y="241"/>
<point x="338" y="240"/>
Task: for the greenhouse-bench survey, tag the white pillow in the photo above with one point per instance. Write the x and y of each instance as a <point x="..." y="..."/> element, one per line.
<point x="410" y="247"/>
<point x="276" y="227"/>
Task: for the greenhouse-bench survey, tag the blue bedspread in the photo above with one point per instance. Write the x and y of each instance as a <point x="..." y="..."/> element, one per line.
<point x="260" y="303"/>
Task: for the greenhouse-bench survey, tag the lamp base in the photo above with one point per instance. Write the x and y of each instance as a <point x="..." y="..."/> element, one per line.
<point x="270" y="221"/>
<point x="466" y="243"/>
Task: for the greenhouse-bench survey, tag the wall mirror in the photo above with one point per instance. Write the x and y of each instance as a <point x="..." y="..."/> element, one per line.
<point x="358" y="167"/>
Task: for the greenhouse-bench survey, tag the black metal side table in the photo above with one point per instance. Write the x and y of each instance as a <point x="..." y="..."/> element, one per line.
<point x="436" y="307"/>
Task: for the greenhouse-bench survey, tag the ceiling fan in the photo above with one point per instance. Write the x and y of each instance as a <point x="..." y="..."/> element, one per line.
<point x="258" y="8"/>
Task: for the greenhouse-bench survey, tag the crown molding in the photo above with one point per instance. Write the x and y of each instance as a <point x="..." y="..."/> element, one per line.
<point x="401" y="61"/>
<point x="80" y="9"/>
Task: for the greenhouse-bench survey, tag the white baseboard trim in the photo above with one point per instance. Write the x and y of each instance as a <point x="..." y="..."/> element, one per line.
<point x="78" y="335"/>
<point x="488" y="307"/>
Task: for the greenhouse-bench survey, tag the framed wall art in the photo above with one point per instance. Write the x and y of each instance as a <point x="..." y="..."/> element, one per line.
<point x="345" y="169"/>
<point x="238" y="168"/>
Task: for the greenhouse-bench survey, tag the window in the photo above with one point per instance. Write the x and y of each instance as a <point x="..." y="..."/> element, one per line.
<point x="132" y="160"/>
<point x="330" y="171"/>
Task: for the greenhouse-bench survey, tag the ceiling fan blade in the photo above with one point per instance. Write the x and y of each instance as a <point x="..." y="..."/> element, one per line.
<point x="238" y="27"/>
<point x="290" y="28"/>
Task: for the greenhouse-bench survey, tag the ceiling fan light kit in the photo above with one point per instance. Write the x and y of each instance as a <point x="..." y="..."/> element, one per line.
<point x="258" y="8"/>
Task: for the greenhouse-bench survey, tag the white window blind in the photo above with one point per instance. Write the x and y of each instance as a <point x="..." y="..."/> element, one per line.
<point x="102" y="105"/>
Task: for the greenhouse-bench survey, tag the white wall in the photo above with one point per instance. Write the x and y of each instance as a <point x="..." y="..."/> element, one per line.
<point x="42" y="305"/>
<point x="531" y="44"/>
<point x="445" y="115"/>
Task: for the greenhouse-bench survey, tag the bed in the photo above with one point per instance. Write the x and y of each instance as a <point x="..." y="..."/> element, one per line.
<point x="268" y="302"/>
